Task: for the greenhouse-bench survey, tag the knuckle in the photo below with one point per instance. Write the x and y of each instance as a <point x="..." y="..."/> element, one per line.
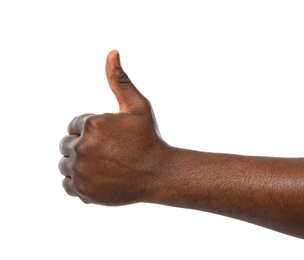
<point x="65" y="184"/>
<point x="84" y="147"/>
<point x="71" y="125"/>
<point x="146" y="104"/>
<point x="62" y="141"/>
<point x="63" y="144"/>
<point x="121" y="77"/>
<point x="82" y="189"/>
<point x="76" y="125"/>
<point x="85" y="200"/>
<point x="78" y="168"/>
<point x="81" y="180"/>
<point x="96" y="122"/>
<point x="106" y="116"/>
<point x="62" y="166"/>
<point x="81" y="148"/>
<point x="68" y="187"/>
<point x="90" y="122"/>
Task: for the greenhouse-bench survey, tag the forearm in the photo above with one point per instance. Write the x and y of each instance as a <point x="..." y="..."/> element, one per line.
<point x="264" y="191"/>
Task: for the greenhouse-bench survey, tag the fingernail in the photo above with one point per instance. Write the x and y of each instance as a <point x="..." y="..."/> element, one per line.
<point x="117" y="60"/>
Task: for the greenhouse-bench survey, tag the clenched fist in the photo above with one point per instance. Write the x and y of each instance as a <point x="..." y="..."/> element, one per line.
<point x="113" y="159"/>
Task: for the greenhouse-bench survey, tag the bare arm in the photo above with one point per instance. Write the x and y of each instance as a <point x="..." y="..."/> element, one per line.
<point x="264" y="191"/>
<point x="117" y="159"/>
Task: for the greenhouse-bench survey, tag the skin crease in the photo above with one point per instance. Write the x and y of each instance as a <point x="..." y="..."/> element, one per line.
<point x="118" y="159"/>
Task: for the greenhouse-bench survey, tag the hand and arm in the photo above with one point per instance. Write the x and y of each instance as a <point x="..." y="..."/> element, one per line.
<point x="118" y="159"/>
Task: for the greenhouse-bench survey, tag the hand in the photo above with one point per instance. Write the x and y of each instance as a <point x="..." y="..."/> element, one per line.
<point x="112" y="159"/>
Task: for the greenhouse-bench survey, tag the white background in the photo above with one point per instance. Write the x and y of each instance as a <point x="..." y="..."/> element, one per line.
<point x="223" y="76"/>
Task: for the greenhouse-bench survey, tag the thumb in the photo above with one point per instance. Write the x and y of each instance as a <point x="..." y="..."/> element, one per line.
<point x="130" y="100"/>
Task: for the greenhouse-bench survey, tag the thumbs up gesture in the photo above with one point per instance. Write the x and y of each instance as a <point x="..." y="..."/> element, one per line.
<point x="114" y="159"/>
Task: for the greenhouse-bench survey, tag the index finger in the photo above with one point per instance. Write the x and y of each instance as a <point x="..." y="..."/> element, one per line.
<point x="75" y="127"/>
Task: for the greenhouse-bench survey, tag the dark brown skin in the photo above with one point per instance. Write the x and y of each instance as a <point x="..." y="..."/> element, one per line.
<point x="118" y="159"/>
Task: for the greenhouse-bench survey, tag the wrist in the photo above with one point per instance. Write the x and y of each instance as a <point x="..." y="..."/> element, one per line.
<point x="160" y="174"/>
<point x="165" y="182"/>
